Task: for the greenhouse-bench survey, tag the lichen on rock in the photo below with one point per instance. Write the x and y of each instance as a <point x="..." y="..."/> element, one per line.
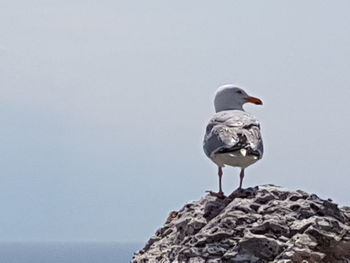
<point x="262" y="224"/>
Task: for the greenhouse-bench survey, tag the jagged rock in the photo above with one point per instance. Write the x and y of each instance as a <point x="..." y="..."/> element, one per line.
<point x="261" y="224"/>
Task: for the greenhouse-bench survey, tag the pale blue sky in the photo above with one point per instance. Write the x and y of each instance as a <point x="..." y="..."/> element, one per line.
<point x="103" y="107"/>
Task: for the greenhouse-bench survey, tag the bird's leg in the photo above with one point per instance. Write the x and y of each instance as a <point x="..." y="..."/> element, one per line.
<point x="220" y="194"/>
<point x="220" y="176"/>
<point x="241" y="176"/>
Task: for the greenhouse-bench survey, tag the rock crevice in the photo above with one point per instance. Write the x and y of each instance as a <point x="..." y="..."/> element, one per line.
<point x="262" y="224"/>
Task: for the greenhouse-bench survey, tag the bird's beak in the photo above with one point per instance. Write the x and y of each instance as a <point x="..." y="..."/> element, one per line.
<point x="254" y="100"/>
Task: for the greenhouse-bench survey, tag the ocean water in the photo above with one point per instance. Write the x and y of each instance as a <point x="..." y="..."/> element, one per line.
<point x="54" y="252"/>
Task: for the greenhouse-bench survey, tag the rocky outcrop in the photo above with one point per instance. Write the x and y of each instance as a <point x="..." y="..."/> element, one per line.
<point x="262" y="224"/>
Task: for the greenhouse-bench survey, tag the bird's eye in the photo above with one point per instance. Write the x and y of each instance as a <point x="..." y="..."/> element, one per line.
<point x="239" y="92"/>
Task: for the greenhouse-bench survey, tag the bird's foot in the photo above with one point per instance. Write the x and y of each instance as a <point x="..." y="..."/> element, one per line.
<point x="239" y="189"/>
<point x="243" y="192"/>
<point x="220" y="194"/>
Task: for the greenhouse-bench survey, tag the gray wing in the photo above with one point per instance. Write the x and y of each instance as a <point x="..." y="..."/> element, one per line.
<point x="231" y="131"/>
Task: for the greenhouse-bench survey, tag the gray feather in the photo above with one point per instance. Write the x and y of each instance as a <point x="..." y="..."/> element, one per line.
<point x="233" y="130"/>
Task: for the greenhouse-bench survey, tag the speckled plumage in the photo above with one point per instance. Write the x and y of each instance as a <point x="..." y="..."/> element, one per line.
<point x="229" y="132"/>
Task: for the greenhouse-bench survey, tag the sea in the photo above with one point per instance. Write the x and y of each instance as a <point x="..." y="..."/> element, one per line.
<point x="71" y="252"/>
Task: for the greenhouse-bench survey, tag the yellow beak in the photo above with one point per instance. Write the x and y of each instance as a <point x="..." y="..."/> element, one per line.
<point x="254" y="100"/>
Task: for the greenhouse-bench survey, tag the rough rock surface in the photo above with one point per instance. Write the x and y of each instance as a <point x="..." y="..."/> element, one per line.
<point x="262" y="224"/>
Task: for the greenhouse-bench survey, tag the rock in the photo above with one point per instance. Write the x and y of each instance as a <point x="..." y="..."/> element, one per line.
<point x="261" y="224"/>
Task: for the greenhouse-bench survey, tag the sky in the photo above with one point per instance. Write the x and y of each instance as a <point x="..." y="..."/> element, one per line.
<point x="104" y="104"/>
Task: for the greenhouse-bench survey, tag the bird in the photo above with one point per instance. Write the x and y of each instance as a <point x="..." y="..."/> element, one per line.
<point x="233" y="136"/>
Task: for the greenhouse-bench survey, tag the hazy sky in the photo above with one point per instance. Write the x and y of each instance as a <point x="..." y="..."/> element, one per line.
<point x="103" y="107"/>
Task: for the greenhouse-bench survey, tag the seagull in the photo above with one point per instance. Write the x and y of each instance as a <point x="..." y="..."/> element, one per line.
<point x="232" y="135"/>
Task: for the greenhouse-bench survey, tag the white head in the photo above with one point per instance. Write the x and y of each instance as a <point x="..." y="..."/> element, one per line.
<point x="230" y="97"/>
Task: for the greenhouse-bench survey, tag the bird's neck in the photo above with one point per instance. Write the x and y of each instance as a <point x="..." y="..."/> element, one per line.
<point x="237" y="107"/>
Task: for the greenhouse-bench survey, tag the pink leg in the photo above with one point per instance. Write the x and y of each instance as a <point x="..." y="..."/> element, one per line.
<point x="220" y="176"/>
<point x="241" y="176"/>
<point x="220" y="194"/>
